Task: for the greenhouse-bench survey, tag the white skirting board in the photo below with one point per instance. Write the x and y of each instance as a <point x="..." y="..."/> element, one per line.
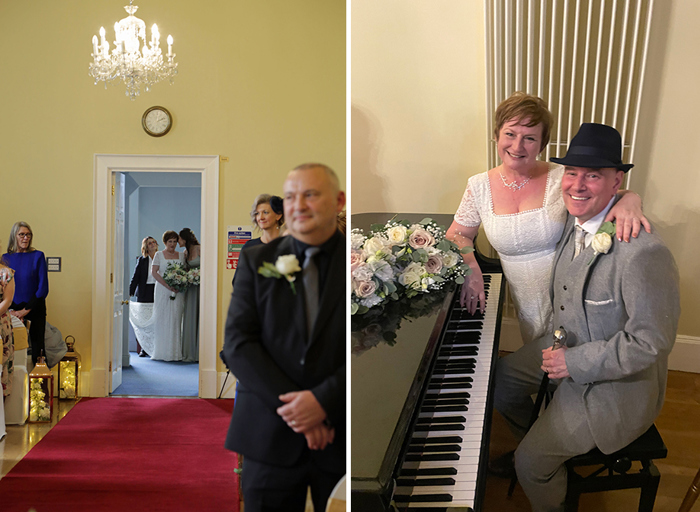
<point x="685" y="356"/>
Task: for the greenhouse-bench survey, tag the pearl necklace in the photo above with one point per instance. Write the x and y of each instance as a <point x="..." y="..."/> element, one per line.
<point x="514" y="185"/>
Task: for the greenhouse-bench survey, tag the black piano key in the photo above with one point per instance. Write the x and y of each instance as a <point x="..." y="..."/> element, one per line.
<point x="448" y="380"/>
<point x="436" y="427"/>
<point x="436" y="440"/>
<point x="470" y="350"/>
<point x="434" y="448"/>
<point x="433" y="457"/>
<point x="422" y="498"/>
<point x="461" y="338"/>
<point x="448" y="394"/>
<point x="446" y="401"/>
<point x="443" y="419"/>
<point x="456" y="371"/>
<point x="464" y="325"/>
<point x="447" y="408"/>
<point x="449" y="386"/>
<point x="429" y="471"/>
<point x="417" y="482"/>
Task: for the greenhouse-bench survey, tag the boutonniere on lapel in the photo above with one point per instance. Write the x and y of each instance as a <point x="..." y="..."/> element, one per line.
<point x="286" y="266"/>
<point x="602" y="240"/>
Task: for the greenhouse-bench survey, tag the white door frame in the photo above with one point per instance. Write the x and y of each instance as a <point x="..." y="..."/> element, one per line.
<point x="104" y="166"/>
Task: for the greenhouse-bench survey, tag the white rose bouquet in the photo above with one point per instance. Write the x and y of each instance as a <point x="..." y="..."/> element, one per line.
<point x="176" y="277"/>
<point x="400" y="259"/>
<point x="193" y="276"/>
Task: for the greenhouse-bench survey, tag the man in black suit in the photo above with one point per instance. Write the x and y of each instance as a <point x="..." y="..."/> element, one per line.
<point x="285" y="343"/>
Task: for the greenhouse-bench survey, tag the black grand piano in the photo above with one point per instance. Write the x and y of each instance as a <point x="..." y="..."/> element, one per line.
<point x="422" y="400"/>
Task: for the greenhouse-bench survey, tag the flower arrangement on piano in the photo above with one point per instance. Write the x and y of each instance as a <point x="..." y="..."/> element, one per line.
<point x="402" y="259"/>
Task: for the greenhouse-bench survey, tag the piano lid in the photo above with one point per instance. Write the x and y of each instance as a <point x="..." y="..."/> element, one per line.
<point x="387" y="375"/>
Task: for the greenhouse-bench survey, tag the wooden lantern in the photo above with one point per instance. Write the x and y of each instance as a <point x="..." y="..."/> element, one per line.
<point x="40" y="393"/>
<point x="68" y="369"/>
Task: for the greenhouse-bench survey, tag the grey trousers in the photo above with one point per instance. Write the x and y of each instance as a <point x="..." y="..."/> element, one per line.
<point x="560" y="432"/>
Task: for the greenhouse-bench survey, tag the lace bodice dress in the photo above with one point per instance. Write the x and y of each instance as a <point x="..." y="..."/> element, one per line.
<point x="525" y="242"/>
<point x="167" y="315"/>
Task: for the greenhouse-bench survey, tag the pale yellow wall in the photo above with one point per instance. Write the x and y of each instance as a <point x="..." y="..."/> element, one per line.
<point x="418" y="103"/>
<point x="666" y="173"/>
<point x="260" y="82"/>
<point x="418" y="118"/>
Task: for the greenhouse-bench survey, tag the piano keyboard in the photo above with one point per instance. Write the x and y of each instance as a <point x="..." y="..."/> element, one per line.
<point x="442" y="460"/>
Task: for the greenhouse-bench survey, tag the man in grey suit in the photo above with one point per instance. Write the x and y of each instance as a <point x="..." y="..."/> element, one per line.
<point x="619" y="304"/>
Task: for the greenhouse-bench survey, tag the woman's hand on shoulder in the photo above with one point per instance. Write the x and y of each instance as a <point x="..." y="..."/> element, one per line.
<point x="628" y="216"/>
<point x="472" y="293"/>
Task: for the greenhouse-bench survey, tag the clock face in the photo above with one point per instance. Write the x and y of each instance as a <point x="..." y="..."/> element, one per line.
<point x="157" y="121"/>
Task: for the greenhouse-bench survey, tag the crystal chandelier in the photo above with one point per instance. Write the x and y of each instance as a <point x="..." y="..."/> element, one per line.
<point x="133" y="61"/>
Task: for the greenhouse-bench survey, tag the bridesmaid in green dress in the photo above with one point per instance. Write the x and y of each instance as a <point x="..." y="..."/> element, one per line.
<point x="190" y="322"/>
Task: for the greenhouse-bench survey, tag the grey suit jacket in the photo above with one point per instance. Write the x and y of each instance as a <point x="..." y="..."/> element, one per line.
<point x="625" y="305"/>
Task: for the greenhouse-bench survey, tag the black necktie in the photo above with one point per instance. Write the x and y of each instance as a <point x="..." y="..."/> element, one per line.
<point x="310" y="278"/>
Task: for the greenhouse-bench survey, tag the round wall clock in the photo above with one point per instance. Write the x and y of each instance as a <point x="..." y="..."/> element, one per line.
<point x="157" y="121"/>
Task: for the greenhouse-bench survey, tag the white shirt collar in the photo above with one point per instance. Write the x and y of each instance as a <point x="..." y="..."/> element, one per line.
<point x="593" y="224"/>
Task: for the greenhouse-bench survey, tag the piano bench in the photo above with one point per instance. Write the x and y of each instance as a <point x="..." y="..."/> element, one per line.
<point x="612" y="473"/>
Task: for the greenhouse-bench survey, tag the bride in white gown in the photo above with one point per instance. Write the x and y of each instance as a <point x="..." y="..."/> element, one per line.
<point x="167" y="312"/>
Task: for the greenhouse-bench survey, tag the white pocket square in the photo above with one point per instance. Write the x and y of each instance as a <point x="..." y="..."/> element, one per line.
<point x="598" y="302"/>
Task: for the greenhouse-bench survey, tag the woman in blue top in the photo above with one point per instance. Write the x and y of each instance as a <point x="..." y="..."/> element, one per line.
<point x="31" y="284"/>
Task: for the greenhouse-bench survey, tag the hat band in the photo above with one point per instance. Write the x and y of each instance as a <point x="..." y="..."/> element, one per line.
<point x="589" y="151"/>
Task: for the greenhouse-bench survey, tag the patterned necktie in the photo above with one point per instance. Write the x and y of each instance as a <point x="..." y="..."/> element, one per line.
<point x="579" y="240"/>
<point x="310" y="278"/>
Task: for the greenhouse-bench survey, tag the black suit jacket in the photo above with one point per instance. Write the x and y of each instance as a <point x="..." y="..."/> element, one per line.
<point x="138" y="280"/>
<point x="268" y="349"/>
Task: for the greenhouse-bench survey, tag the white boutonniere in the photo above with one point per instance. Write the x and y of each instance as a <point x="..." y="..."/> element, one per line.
<point x="602" y="240"/>
<point x="286" y="266"/>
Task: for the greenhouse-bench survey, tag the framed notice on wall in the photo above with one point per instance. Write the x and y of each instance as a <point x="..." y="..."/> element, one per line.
<point x="237" y="236"/>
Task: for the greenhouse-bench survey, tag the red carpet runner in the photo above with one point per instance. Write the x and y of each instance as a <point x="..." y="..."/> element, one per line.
<point x="129" y="454"/>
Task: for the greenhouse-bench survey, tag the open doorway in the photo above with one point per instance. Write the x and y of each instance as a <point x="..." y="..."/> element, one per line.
<point x="156" y="202"/>
<point x="104" y="375"/>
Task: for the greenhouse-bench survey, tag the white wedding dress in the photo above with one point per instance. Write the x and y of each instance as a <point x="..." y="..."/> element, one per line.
<point x="525" y="242"/>
<point x="167" y="315"/>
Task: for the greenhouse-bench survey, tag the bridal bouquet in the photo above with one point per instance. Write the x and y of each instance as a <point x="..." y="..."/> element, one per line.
<point x="176" y="277"/>
<point x="400" y="259"/>
<point x="193" y="277"/>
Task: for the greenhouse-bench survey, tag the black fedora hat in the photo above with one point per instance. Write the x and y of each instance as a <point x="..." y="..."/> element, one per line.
<point x="595" y="146"/>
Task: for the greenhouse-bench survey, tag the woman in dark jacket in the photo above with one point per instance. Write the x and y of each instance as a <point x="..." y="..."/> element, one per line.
<point x="142" y="282"/>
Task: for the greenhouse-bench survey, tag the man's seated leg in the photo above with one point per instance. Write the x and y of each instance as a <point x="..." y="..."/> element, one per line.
<point x="268" y="488"/>
<point x="518" y="377"/>
<point x="561" y="432"/>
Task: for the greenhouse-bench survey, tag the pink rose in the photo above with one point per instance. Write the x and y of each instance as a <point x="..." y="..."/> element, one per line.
<point x="421" y="239"/>
<point x="364" y="288"/>
<point x="434" y="264"/>
<point x="355" y="259"/>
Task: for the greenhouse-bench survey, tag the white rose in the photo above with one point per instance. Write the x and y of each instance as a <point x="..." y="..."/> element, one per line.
<point x="396" y="234"/>
<point x="601" y="243"/>
<point x="450" y="259"/>
<point x="287" y="264"/>
<point x="374" y="245"/>
<point x="411" y="275"/>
